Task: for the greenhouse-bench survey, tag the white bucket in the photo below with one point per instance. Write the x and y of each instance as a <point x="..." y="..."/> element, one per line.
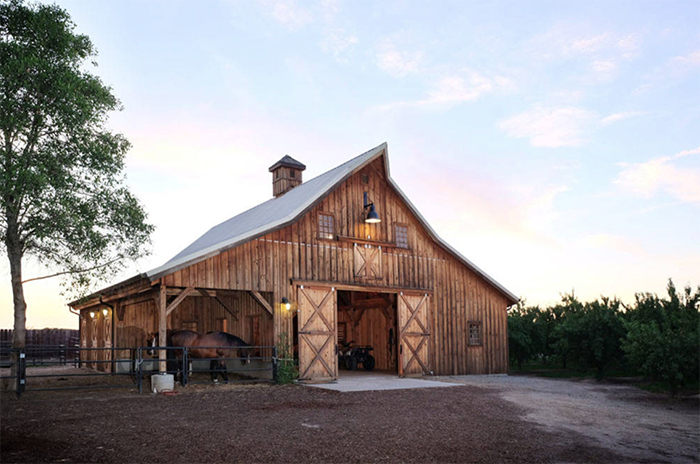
<point x="162" y="382"/>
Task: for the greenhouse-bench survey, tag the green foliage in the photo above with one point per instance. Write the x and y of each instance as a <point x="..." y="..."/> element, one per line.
<point x="287" y="370"/>
<point x="63" y="198"/>
<point x="663" y="339"/>
<point x="525" y="333"/>
<point x="656" y="337"/>
<point x="589" y="334"/>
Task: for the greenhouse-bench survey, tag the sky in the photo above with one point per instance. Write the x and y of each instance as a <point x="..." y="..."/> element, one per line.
<point x="555" y="144"/>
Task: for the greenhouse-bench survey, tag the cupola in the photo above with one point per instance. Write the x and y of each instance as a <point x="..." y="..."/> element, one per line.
<point x="286" y="174"/>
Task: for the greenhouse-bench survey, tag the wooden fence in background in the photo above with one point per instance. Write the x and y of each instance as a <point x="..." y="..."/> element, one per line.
<point x="43" y="337"/>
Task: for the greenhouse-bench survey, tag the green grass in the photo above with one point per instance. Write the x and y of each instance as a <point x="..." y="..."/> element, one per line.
<point x="555" y="371"/>
<point x="663" y="387"/>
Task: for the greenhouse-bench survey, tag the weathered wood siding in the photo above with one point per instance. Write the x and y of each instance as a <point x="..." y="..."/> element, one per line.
<point x="459" y="295"/>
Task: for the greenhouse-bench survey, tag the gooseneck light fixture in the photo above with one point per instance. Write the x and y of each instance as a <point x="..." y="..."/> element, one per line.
<point x="286" y="305"/>
<point x="372" y="216"/>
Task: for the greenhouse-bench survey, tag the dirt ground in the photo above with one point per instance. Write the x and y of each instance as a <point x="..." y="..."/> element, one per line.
<point x="491" y="423"/>
<point x="633" y="423"/>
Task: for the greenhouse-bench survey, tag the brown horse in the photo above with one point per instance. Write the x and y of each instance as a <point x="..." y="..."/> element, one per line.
<point x="212" y="345"/>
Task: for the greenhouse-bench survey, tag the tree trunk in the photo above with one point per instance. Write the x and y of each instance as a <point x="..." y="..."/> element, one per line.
<point x="14" y="253"/>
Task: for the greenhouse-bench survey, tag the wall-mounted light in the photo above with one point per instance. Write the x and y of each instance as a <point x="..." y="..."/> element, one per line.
<point x="286" y="305"/>
<point x="372" y="216"/>
<point x="92" y="313"/>
<point x="105" y="311"/>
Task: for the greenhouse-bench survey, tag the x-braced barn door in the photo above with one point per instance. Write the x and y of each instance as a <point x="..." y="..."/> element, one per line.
<point x="414" y="334"/>
<point x="318" y="333"/>
<point x="368" y="262"/>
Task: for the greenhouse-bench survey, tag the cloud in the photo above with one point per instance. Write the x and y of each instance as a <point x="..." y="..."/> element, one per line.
<point x="602" y="53"/>
<point x="337" y="43"/>
<point x="396" y="62"/>
<point x="549" y="126"/>
<point x="692" y="59"/>
<point x="604" y="70"/>
<point x="454" y="89"/>
<point x="567" y="42"/>
<point x="288" y="13"/>
<point x="674" y="70"/>
<point x="662" y="175"/>
<point x="621" y="116"/>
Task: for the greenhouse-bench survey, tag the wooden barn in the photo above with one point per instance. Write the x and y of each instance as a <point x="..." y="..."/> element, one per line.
<point x="342" y="257"/>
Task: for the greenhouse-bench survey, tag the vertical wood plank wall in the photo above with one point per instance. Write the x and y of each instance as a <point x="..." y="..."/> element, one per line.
<point x="267" y="263"/>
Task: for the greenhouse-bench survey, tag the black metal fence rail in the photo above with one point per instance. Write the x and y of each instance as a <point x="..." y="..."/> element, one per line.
<point x="180" y="362"/>
<point x="132" y="363"/>
<point x="42" y="354"/>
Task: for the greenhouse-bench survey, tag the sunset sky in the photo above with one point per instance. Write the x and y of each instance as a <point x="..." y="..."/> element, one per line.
<point x="555" y="144"/>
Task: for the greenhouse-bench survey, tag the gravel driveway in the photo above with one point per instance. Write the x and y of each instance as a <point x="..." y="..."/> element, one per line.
<point x="630" y="422"/>
<point x="490" y="420"/>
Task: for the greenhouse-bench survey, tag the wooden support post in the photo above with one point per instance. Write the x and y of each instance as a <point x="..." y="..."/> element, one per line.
<point x="162" y="328"/>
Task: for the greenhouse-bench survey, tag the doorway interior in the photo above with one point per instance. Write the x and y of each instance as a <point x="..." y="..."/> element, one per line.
<point x="369" y="319"/>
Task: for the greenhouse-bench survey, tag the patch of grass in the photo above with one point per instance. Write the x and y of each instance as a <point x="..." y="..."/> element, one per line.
<point x="554" y="371"/>
<point x="664" y="387"/>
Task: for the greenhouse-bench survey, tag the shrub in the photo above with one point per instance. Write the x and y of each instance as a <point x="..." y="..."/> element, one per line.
<point x="287" y="370"/>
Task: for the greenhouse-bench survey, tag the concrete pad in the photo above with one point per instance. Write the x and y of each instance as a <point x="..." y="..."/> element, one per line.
<point x="352" y="381"/>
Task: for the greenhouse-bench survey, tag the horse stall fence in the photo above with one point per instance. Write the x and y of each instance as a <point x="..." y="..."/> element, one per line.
<point x="69" y="368"/>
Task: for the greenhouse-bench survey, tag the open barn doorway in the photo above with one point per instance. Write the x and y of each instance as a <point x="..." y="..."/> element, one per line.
<point x="367" y="319"/>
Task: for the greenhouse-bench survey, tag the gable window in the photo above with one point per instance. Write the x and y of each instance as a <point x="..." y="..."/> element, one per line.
<point x="325" y="226"/>
<point x="292" y="174"/>
<point x="475" y="333"/>
<point x="401" y="235"/>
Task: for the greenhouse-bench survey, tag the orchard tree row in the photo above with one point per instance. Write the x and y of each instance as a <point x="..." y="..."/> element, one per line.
<point x="657" y="337"/>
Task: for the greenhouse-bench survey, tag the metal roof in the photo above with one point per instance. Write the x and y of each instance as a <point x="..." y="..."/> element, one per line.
<point x="284" y="210"/>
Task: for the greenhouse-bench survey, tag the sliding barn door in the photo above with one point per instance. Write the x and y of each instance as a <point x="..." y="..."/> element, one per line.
<point x="318" y="333"/>
<point x="414" y="334"/>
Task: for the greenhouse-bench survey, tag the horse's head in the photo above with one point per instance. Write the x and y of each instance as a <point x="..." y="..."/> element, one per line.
<point x="153" y="341"/>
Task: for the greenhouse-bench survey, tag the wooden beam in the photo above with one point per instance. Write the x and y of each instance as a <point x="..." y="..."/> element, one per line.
<point x="195" y="292"/>
<point x="359" y="317"/>
<point x="263" y="302"/>
<point x="162" y="328"/>
<point x="362" y="288"/>
<point x="376" y="243"/>
<point x="176" y="302"/>
<point x="234" y="314"/>
<point x="95" y="301"/>
<point x="366" y="304"/>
